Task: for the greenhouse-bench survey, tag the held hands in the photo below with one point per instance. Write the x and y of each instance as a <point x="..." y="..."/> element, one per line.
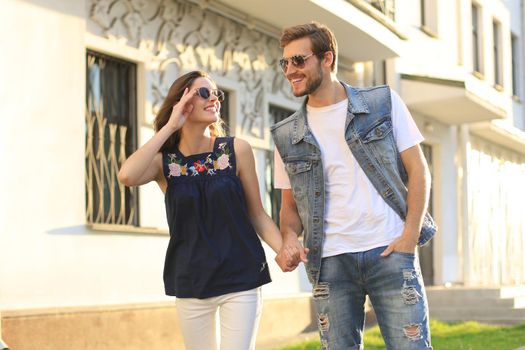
<point x="292" y="253"/>
<point x="181" y="110"/>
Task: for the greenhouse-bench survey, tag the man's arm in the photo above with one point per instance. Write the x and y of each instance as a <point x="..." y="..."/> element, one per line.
<point x="291" y="228"/>
<point x="417" y="200"/>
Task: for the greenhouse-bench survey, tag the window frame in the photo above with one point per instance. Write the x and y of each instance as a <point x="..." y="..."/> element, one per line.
<point x="497" y="54"/>
<point x="429" y="17"/>
<point x="120" y="208"/>
<point x="477" y="40"/>
<point x="515" y="68"/>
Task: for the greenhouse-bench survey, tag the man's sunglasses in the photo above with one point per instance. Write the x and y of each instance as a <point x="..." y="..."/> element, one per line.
<point x="298" y="61"/>
<point x="206" y="93"/>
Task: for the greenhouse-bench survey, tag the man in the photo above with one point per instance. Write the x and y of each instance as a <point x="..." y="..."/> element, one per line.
<point x="354" y="179"/>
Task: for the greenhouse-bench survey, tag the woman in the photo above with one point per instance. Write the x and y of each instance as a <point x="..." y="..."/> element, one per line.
<point x="214" y="258"/>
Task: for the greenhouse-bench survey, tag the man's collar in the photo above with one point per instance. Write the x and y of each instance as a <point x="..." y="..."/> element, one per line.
<point x="356" y="104"/>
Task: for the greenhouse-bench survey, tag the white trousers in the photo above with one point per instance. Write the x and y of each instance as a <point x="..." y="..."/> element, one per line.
<point x="239" y="315"/>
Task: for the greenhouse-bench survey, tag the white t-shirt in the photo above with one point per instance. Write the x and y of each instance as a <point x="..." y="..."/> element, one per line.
<point x="356" y="217"/>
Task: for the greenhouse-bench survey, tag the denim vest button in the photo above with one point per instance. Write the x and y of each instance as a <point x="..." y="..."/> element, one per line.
<point x="316" y="220"/>
<point x="379" y="132"/>
<point x="317" y="193"/>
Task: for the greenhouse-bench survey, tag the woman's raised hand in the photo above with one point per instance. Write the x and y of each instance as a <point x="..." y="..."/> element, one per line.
<point x="181" y="110"/>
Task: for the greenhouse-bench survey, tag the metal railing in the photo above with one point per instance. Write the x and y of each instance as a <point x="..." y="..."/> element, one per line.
<point x="386" y="7"/>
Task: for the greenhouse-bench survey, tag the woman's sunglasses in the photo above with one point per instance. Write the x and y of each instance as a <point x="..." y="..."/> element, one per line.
<point x="298" y="61"/>
<point x="206" y="93"/>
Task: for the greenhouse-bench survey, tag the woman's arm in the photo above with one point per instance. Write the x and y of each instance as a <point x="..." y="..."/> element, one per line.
<point x="263" y="224"/>
<point x="145" y="164"/>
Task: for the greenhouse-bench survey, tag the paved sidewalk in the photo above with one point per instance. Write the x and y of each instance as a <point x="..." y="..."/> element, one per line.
<point x="520" y="348"/>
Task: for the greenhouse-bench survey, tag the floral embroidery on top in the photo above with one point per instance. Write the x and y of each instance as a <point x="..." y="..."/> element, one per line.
<point x="207" y="166"/>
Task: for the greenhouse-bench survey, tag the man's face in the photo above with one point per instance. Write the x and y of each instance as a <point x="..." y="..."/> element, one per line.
<point x="304" y="71"/>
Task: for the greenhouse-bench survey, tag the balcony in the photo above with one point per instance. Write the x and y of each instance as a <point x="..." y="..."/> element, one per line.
<point x="365" y="29"/>
<point x="386" y="7"/>
<point x="452" y="101"/>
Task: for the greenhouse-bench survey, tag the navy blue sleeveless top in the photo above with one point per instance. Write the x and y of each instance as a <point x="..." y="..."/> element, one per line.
<point x="213" y="247"/>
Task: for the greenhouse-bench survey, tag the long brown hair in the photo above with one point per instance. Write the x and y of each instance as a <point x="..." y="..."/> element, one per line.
<point x="323" y="39"/>
<point x="174" y="95"/>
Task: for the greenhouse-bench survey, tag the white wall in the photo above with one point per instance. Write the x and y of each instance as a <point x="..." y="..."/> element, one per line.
<point x="48" y="257"/>
<point x="516" y="8"/>
<point x="443" y="140"/>
<point x="496" y="222"/>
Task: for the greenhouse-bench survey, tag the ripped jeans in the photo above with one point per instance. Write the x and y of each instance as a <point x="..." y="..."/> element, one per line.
<point x="395" y="287"/>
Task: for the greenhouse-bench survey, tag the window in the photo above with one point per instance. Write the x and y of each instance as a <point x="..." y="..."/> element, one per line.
<point x="276" y="114"/>
<point x="225" y="112"/>
<point x="426" y="253"/>
<point x="111" y="136"/>
<point x="476" y="39"/>
<point x="422" y="13"/>
<point x="515" y="65"/>
<point x="379" y="72"/>
<point x="497" y="54"/>
<point x="429" y="17"/>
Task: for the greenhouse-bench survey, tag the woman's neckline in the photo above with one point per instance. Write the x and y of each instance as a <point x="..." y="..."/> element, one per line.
<point x="214" y="144"/>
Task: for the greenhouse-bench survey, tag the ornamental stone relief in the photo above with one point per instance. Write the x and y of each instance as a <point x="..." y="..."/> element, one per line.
<point x="182" y="36"/>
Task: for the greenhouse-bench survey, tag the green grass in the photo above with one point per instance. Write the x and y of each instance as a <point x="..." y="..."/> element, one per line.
<point x="447" y="336"/>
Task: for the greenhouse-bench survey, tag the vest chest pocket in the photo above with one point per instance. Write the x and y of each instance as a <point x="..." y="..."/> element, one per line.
<point x="298" y="172"/>
<point x="378" y="131"/>
<point x="294" y="168"/>
<point x="379" y="140"/>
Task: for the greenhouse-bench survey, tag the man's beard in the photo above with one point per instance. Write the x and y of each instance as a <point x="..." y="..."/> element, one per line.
<point x="311" y="85"/>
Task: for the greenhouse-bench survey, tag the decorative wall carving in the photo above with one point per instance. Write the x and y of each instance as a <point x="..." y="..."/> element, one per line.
<point x="182" y="36"/>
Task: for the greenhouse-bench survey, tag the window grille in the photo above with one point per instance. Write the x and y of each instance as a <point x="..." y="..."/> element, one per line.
<point x="111" y="136"/>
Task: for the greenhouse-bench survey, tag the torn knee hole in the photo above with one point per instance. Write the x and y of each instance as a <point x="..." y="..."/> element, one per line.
<point x="409" y="274"/>
<point x="410" y="295"/>
<point x="321" y="291"/>
<point x="323" y="322"/>
<point x="412" y="331"/>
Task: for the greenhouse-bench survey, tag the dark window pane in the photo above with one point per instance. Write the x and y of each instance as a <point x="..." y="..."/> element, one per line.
<point x="426" y="253"/>
<point x="476" y="40"/>
<point x="496" y="28"/>
<point x="515" y="68"/>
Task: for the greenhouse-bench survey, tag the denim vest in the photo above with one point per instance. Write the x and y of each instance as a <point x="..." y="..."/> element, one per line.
<point x="369" y="135"/>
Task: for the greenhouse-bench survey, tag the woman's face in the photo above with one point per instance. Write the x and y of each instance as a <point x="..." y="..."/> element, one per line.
<point x="206" y="104"/>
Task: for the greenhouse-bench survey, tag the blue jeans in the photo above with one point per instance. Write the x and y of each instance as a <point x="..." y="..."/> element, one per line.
<point x="395" y="287"/>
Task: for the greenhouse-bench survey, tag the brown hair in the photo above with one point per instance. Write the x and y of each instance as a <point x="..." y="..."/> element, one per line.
<point x="323" y="39"/>
<point x="174" y="95"/>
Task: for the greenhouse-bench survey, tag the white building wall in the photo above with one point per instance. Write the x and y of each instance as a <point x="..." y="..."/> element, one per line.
<point x="516" y="7"/>
<point x="496" y="222"/>
<point x="446" y="53"/>
<point x="49" y="257"/>
<point x="444" y="142"/>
